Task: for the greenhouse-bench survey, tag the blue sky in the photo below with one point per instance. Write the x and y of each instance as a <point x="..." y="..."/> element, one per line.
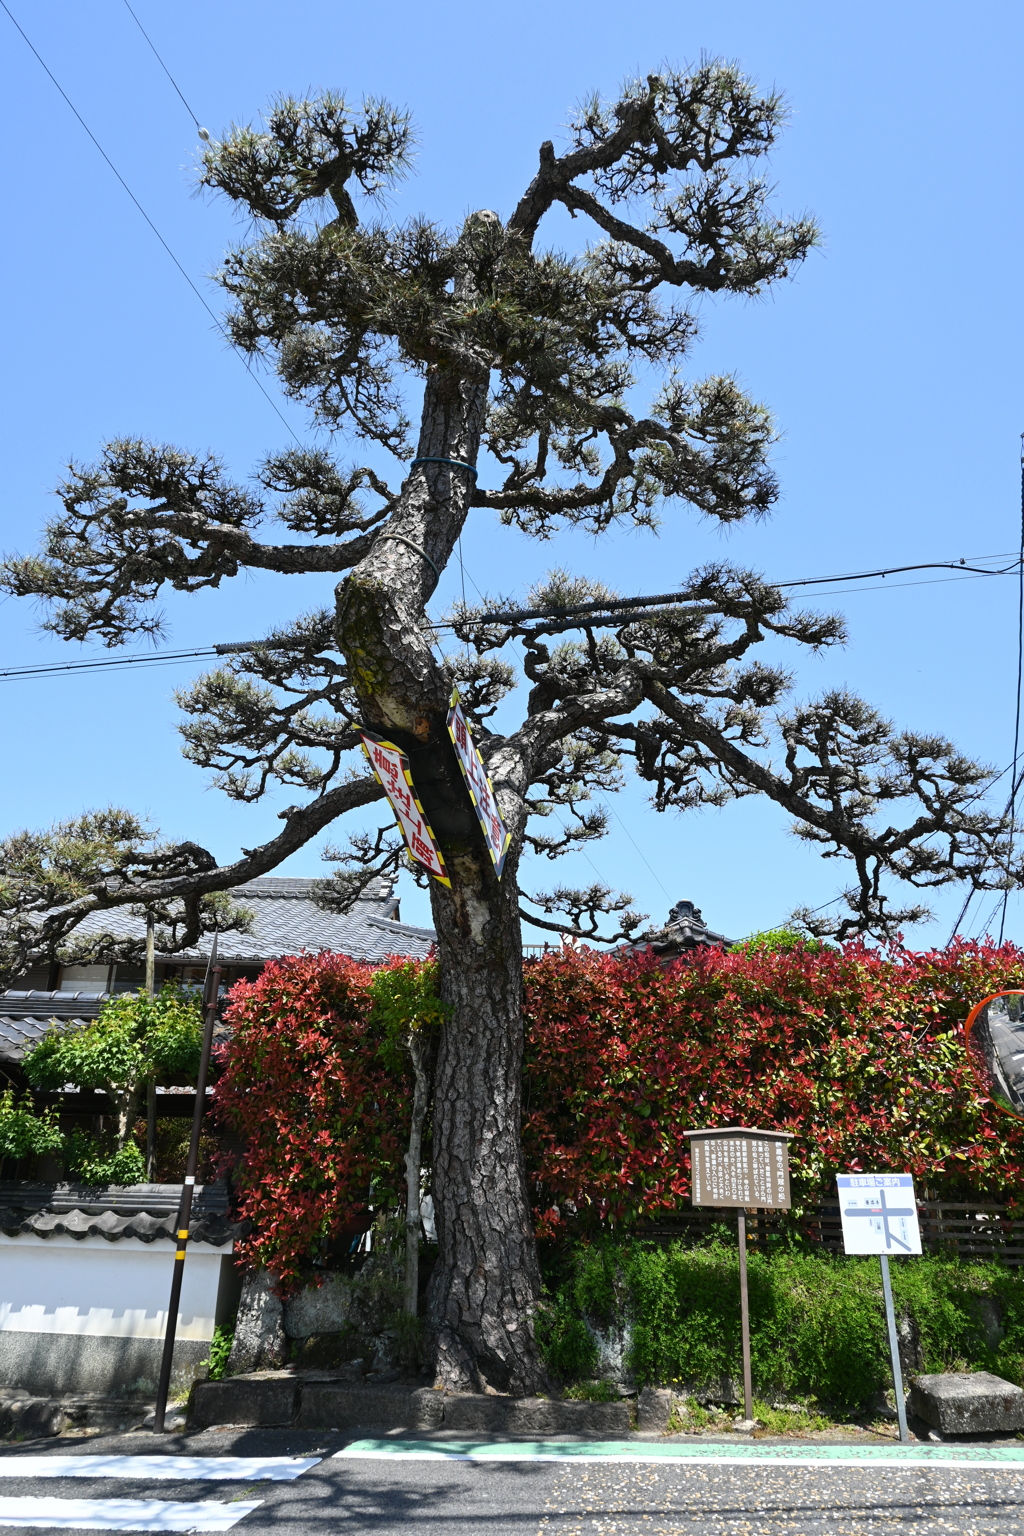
<point x="891" y="362"/>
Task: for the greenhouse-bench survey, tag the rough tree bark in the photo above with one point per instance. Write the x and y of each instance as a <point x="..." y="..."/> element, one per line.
<point x="486" y="1280"/>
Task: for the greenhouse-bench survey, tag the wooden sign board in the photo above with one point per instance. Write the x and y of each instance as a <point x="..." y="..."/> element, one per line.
<point x="740" y="1168"/>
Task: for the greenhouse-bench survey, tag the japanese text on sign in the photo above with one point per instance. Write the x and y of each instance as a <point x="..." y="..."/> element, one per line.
<point x="879" y="1213"/>
<point x="391" y="766"/>
<point x="481" y="791"/>
<point x="740" y="1168"/>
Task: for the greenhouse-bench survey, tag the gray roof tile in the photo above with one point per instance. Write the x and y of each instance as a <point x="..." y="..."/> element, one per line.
<point x="285" y="922"/>
<point x="144" y="1212"/>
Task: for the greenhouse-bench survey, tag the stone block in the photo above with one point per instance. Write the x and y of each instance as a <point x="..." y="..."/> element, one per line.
<point x="474" y="1413"/>
<point x="344" y="1405"/>
<point x="318" y="1309"/>
<point x="264" y="1401"/>
<point x="653" y="1410"/>
<point x="555" y="1416"/>
<point x="968" y="1403"/>
<point x="259" y="1340"/>
<point x="32" y="1418"/>
<point x="534" y="1416"/>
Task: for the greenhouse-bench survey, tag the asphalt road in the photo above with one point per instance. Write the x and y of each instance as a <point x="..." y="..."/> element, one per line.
<point x="527" y="1498"/>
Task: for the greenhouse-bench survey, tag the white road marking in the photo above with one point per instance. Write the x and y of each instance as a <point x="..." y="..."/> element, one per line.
<point x="200" y="1469"/>
<point x="122" y="1514"/>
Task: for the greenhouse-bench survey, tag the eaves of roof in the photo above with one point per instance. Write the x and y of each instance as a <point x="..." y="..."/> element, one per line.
<point x="144" y="1212"/>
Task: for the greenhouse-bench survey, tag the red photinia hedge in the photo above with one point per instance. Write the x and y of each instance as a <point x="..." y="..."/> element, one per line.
<point x="857" y="1051"/>
<point x="320" y="1109"/>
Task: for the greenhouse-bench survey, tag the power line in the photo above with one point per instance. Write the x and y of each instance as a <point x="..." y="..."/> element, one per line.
<point x="214" y="317"/>
<point x="624" y="604"/>
<point x="636" y="845"/>
<point x="143" y="659"/>
<point x="199" y="127"/>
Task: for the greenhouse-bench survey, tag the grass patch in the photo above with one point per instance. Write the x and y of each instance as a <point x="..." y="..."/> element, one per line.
<point x="593" y="1392"/>
<point x="790" y="1419"/>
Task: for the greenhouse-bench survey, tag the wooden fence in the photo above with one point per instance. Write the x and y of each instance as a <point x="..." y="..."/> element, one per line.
<point x="967" y="1229"/>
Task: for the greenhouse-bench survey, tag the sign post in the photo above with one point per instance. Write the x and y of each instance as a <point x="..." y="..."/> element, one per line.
<point x="741" y="1169"/>
<point x="879" y="1214"/>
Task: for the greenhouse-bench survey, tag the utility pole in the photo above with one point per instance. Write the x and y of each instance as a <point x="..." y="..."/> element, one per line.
<point x="187" y="1191"/>
<point x="151" y="1084"/>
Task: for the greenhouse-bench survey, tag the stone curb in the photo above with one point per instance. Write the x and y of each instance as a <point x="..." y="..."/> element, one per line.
<point x="290" y="1401"/>
<point x="26" y="1417"/>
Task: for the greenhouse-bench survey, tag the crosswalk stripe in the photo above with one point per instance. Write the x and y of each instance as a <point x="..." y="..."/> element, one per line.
<point x="200" y="1469"/>
<point x="122" y="1514"/>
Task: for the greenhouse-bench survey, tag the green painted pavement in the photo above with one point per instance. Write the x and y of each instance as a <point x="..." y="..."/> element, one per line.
<point x="707" y="1451"/>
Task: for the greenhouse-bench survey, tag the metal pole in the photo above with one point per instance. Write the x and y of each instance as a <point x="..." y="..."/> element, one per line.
<point x="748" y="1392"/>
<point x="185" y="1207"/>
<point x="894" y="1349"/>
<point x="151" y="1084"/>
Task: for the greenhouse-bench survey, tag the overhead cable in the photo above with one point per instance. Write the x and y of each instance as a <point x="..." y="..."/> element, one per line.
<point x="143" y="659"/>
<point x="209" y="310"/>
<point x="199" y="127"/>
<point x="626" y="605"/>
<point x="613" y="605"/>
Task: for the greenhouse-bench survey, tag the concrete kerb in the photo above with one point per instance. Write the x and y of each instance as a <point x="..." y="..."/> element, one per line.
<point x="283" y="1400"/>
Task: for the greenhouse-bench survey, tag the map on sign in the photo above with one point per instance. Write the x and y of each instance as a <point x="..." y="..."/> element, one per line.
<point x="391" y="766"/>
<point x="879" y="1213"/>
<point x="479" y="785"/>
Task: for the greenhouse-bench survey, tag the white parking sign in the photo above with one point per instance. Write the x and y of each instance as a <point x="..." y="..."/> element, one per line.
<point x="879" y="1213"/>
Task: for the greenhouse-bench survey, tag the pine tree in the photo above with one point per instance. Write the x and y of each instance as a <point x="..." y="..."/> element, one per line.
<point x="492" y="342"/>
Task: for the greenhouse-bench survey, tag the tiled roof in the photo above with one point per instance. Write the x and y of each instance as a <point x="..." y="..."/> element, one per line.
<point x="285" y="922"/>
<point x="26" y="1016"/>
<point x="20" y="1032"/>
<point x="141" y="1211"/>
<point x="685" y="930"/>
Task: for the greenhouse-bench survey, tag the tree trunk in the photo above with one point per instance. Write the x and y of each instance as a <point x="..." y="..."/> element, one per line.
<point x="150" y="1131"/>
<point x="486" y="1282"/>
<point x="125" y="1103"/>
<point x="419" y="1050"/>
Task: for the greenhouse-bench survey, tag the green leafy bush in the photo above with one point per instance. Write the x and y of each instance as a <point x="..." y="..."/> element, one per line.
<point x="776" y="941"/>
<point x="23" y="1133"/>
<point x="220" y="1350"/>
<point x="89" y="1160"/>
<point x="817" y="1323"/>
<point x="136" y="1039"/>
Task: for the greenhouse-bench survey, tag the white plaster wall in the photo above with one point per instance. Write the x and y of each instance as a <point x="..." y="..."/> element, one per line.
<point x="67" y="1285"/>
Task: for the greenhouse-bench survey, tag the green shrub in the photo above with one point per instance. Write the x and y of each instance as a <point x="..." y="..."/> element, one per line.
<point x="776" y="941"/>
<point x="220" y="1349"/>
<point x="92" y="1160"/>
<point x="23" y="1133"/>
<point x="817" y="1320"/>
